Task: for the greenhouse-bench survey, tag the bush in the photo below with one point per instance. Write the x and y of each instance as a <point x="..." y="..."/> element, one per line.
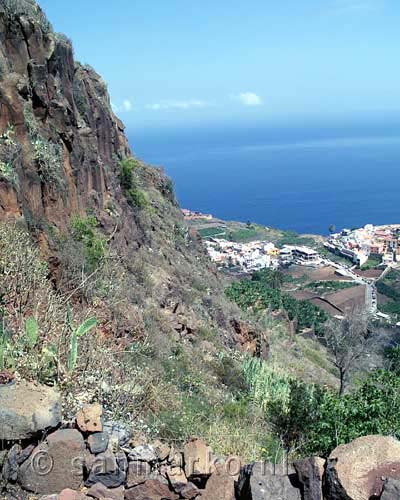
<point x="314" y="420"/>
<point x="9" y="152"/>
<point x="135" y="197"/>
<point x="290" y="405"/>
<point x="49" y="159"/>
<point x="373" y="408"/>
<point x="84" y="230"/>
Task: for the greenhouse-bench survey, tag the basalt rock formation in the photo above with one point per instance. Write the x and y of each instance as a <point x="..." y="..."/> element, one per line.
<point x="61" y="147"/>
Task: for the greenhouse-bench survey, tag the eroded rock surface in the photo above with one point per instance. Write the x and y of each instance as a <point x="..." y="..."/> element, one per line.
<point x="26" y="409"/>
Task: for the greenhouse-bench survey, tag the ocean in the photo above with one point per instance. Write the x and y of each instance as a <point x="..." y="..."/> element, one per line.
<point x="303" y="177"/>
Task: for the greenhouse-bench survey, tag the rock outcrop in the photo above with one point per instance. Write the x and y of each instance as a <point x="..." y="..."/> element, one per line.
<point x="27" y="409"/>
<point x="266" y="481"/>
<point x="358" y="470"/>
<point x="55" y="464"/>
<point x="310" y="473"/>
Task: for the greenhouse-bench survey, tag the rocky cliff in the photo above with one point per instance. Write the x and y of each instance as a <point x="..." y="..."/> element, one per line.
<point x="61" y="148"/>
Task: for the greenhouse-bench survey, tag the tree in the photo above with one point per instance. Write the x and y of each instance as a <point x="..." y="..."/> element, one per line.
<point x="271" y="277"/>
<point x="348" y="340"/>
<point x="332" y="228"/>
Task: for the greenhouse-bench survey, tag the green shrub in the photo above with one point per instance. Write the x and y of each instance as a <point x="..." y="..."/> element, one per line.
<point x="135" y="197"/>
<point x="9" y="152"/>
<point x="259" y="296"/>
<point x="84" y="230"/>
<point x="373" y="408"/>
<point x="49" y="159"/>
<point x="290" y="405"/>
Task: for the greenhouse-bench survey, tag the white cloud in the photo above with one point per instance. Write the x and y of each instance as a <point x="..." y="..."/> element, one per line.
<point x="248" y="99"/>
<point x="167" y="105"/>
<point x="125" y="107"/>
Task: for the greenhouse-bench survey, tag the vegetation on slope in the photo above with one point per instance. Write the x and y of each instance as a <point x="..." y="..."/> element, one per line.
<point x="263" y="293"/>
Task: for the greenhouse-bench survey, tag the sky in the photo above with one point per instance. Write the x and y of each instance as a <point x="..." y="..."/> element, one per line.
<point x="175" y="62"/>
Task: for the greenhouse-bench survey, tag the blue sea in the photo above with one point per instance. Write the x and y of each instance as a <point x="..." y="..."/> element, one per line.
<point x="302" y="177"/>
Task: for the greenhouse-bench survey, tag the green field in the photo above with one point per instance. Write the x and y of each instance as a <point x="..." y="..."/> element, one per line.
<point x="390" y="285"/>
<point x="211" y="232"/>
<point x="372" y="262"/>
<point x="241" y="232"/>
<point x="330" y="286"/>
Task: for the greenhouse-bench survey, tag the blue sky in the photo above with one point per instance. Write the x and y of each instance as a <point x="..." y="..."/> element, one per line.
<point x="187" y="61"/>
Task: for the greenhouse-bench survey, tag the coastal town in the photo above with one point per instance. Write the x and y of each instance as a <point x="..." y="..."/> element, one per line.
<point x="359" y="245"/>
<point x="360" y="257"/>
<point x="256" y="255"/>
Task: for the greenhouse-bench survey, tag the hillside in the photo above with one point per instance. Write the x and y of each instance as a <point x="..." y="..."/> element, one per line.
<point x="120" y="341"/>
<point x="88" y="231"/>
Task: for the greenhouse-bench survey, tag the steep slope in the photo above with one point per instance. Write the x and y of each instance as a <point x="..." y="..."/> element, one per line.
<point x="61" y="153"/>
<point x="89" y="231"/>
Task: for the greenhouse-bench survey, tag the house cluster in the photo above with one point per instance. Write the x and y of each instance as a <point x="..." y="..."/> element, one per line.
<point x="256" y="255"/>
<point x="192" y="215"/>
<point x="359" y="244"/>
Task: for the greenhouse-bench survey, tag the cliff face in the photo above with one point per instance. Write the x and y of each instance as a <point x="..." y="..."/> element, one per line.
<point x="61" y="148"/>
<point x="53" y="102"/>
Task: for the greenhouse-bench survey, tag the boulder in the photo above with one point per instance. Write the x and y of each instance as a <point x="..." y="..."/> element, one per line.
<point x="27" y="409"/>
<point x="220" y="485"/>
<point x="143" y="453"/>
<point x="391" y="490"/>
<point x="310" y="472"/>
<point x="108" y="469"/>
<point x="175" y="458"/>
<point x="71" y="495"/>
<point x="98" y="490"/>
<point x="176" y="478"/>
<point x="162" y="450"/>
<point x="358" y="470"/>
<point x="89" y="418"/>
<point x="66" y="495"/>
<point x="98" y="442"/>
<point x="119" y="433"/>
<point x="54" y="465"/>
<point x="189" y="491"/>
<point x="151" y="490"/>
<point x="138" y="473"/>
<point x="198" y="459"/>
<point x="265" y="481"/>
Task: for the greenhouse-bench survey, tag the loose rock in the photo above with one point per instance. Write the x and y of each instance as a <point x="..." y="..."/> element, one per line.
<point x="54" y="465"/>
<point x="98" y="490"/>
<point x="89" y="418"/>
<point x="391" y="490"/>
<point x="27" y="409"/>
<point x="144" y="453"/>
<point x="358" y="470"/>
<point x="220" y="485"/>
<point x="264" y="481"/>
<point x="138" y="473"/>
<point x="108" y="469"/>
<point x="151" y="490"/>
<point x="310" y="472"/>
<point x="98" y="442"/>
<point x="198" y="459"/>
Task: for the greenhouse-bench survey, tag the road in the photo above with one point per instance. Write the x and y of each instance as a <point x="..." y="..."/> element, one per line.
<point x="371" y="293"/>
